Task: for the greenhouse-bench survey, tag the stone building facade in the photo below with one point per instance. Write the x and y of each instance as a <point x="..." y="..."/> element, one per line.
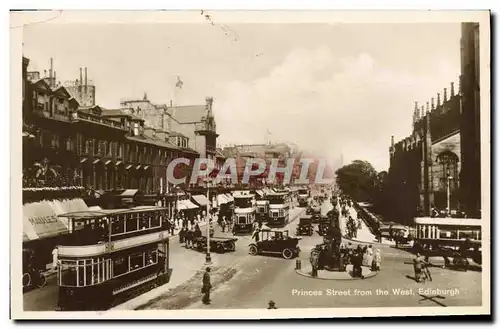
<point x="439" y="162"/>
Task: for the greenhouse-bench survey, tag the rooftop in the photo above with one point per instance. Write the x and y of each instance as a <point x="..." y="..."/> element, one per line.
<point x="187" y="114"/>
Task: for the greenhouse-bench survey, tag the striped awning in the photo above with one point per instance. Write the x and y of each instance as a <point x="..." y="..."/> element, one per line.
<point x="201" y="200"/>
<point x="128" y="167"/>
<point x="260" y="193"/>
<point x="107" y="162"/>
<point x="138" y="167"/>
<point x="96" y="161"/>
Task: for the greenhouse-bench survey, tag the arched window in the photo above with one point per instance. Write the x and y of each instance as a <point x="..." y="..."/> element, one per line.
<point x="448" y="162"/>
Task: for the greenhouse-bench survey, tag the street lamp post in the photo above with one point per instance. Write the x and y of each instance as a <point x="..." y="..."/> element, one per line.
<point x="448" y="179"/>
<point x="208" y="258"/>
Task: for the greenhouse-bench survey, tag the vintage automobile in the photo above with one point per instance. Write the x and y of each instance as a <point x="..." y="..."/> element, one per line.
<point x="275" y="242"/>
<point x="305" y="226"/>
<point x="323" y="225"/>
<point x="217" y="244"/>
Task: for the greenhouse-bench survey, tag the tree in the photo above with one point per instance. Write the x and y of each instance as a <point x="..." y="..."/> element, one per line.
<point x="359" y="180"/>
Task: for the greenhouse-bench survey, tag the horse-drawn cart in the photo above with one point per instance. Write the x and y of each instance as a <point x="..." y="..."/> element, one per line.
<point x="217" y="244"/>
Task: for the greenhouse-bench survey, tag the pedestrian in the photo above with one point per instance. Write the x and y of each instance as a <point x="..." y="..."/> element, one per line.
<point x="272" y="305"/>
<point x="418" y="263"/>
<point x="256" y="235"/>
<point x="54" y="258"/>
<point x="223" y="225"/>
<point x="369" y="256"/>
<point x="206" y="287"/>
<point x="377" y="260"/>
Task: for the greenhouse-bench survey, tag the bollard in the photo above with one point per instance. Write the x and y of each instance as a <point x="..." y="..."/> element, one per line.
<point x="298" y="264"/>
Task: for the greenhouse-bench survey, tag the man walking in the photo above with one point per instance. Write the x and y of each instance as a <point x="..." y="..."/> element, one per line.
<point x="206" y="287"/>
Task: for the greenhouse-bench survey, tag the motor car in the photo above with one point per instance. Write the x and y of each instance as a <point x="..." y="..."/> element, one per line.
<point x="275" y="242"/>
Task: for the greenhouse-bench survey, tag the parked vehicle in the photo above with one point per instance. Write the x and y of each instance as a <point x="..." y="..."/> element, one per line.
<point x="275" y="242"/>
<point x="217" y="244"/>
<point x="305" y="226"/>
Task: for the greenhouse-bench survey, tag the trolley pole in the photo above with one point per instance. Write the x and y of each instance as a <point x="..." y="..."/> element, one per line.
<point x="208" y="258"/>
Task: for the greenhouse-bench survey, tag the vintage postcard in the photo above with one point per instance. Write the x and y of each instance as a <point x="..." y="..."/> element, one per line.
<point x="250" y="165"/>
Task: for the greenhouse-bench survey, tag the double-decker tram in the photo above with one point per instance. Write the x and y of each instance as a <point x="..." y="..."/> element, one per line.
<point x="279" y="209"/>
<point x="115" y="255"/>
<point x="448" y="237"/>
<point x="244" y="213"/>
<point x="303" y="196"/>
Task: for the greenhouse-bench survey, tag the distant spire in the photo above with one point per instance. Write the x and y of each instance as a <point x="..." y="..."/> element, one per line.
<point x="438" y="99"/>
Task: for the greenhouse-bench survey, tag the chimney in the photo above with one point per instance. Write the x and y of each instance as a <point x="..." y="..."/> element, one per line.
<point x="452" y="90"/>
<point x="392" y="140"/>
<point x="81" y="76"/>
<point x="432" y="103"/>
<point x="85" y="76"/>
<point x="51" y="67"/>
<point x="444" y="95"/>
<point x="135" y="131"/>
<point x="170" y="103"/>
<point x="423" y="112"/>
<point x="427" y="103"/>
<point x="439" y="99"/>
<point x="44" y="73"/>
<point x="55" y="77"/>
<point x="417" y="113"/>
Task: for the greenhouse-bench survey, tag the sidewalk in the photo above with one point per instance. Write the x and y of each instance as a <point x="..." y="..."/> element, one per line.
<point x="364" y="234"/>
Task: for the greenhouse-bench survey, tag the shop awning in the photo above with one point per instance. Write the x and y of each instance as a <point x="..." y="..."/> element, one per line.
<point x="181" y="205"/>
<point x="229" y="197"/>
<point x="222" y="199"/>
<point x="201" y="200"/>
<point x="107" y="162"/>
<point x="190" y="205"/>
<point x="260" y="193"/>
<point x="129" y="193"/>
<point x="41" y="221"/>
<point x="83" y="160"/>
<point x="96" y="161"/>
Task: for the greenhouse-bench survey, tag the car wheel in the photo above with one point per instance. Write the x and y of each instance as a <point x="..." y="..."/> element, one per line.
<point x="232" y="246"/>
<point x="287" y="253"/>
<point x="253" y="250"/>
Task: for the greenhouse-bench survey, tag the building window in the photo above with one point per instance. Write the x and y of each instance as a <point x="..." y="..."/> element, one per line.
<point x="88" y="146"/>
<point x="96" y="146"/>
<point x="54" y="143"/>
<point x="448" y="162"/>
<point x="69" y="144"/>
<point x="120" y="150"/>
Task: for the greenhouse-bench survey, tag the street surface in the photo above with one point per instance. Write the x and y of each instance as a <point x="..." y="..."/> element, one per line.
<point x="263" y="278"/>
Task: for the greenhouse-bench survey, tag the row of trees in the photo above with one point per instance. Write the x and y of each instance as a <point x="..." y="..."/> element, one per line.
<point x="361" y="182"/>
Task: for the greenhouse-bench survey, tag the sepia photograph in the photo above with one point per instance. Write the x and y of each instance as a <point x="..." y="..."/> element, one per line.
<point x="249" y="164"/>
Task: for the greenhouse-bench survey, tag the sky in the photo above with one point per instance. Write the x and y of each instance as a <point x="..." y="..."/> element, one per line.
<point x="333" y="89"/>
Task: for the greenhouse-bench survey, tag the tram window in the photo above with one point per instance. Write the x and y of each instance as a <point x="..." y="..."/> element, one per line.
<point x="261" y="209"/>
<point x="67" y="273"/>
<point x="151" y="257"/>
<point x="131" y="223"/>
<point x="89" y="275"/>
<point x="118" y="225"/>
<point x="120" y="266"/>
<point x="275" y="214"/>
<point x="444" y="234"/>
<point x="242" y="220"/>
<point x="155" y="220"/>
<point x="136" y="261"/>
<point x="466" y="234"/>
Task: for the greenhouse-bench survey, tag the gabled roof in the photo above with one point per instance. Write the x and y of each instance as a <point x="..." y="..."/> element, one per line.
<point x="61" y="90"/>
<point x="41" y="84"/>
<point x="187" y="114"/>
